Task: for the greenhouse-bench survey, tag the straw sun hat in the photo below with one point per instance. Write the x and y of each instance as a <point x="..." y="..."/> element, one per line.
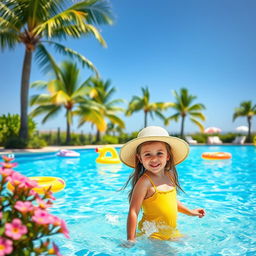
<point x="180" y="148"/>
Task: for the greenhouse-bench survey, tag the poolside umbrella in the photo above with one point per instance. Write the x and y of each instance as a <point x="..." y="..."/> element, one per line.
<point x="210" y="130"/>
<point x="242" y="128"/>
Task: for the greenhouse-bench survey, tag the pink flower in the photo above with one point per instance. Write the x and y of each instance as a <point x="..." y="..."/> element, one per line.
<point x="42" y="204"/>
<point x="5" y="246"/>
<point x="41" y="217"/>
<point x="6" y="172"/>
<point x="24" y="207"/>
<point x="17" y="179"/>
<point x="7" y="158"/>
<point x="55" y="250"/>
<point x="34" y="193"/>
<point x="55" y="221"/>
<point x="49" y="195"/>
<point x="15" y="229"/>
<point x="1" y="215"/>
<point x="8" y="165"/>
<point x="64" y="229"/>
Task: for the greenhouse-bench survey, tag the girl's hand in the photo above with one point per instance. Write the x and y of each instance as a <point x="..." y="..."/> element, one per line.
<point x="198" y="212"/>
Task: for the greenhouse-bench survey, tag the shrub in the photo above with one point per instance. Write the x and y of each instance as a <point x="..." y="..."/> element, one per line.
<point x="15" y="141"/>
<point x="10" y="126"/>
<point x="36" y="142"/>
<point x="25" y="222"/>
<point x="109" y="139"/>
<point x="228" y="137"/>
<point x="200" y="137"/>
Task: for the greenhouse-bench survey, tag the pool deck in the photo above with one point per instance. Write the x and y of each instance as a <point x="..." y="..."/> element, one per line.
<point x="49" y="149"/>
<point x="57" y="148"/>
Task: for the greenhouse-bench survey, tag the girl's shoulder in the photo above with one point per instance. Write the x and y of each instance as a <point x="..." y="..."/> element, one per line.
<point x="144" y="181"/>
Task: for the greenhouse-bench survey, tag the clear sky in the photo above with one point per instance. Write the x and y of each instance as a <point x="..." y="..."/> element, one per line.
<point x="209" y="47"/>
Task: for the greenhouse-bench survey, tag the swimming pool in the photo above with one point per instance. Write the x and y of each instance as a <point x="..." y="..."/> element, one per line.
<point x="95" y="211"/>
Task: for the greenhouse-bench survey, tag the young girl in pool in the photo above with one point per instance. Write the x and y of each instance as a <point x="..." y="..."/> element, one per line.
<point x="153" y="155"/>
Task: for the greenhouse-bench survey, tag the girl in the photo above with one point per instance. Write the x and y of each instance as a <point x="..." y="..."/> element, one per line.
<point x="153" y="155"/>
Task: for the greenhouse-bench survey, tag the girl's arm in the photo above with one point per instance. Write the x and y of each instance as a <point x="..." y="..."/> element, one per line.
<point x="196" y="212"/>
<point x="138" y="195"/>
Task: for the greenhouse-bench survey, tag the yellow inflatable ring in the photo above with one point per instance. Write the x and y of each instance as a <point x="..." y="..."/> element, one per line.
<point x="216" y="155"/>
<point x="104" y="159"/>
<point x="56" y="184"/>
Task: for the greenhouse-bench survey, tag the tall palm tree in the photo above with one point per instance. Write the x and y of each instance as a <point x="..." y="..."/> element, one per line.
<point x="143" y="103"/>
<point x="35" y="23"/>
<point x="246" y="109"/>
<point x="64" y="91"/>
<point x="101" y="93"/>
<point x="184" y="107"/>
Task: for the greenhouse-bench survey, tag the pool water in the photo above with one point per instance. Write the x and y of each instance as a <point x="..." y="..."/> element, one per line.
<point x="95" y="209"/>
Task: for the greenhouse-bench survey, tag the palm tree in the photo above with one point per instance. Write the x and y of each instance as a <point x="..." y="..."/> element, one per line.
<point x="101" y="93"/>
<point x="247" y="110"/>
<point x="143" y="103"/>
<point x="35" y="23"/>
<point x="65" y="92"/>
<point x="184" y="107"/>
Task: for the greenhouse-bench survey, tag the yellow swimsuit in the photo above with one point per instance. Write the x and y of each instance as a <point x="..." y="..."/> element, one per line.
<point x="160" y="212"/>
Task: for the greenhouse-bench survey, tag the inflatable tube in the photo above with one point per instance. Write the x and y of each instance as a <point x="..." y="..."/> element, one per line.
<point x="56" y="184"/>
<point x="104" y="159"/>
<point x="68" y="153"/>
<point x="216" y="155"/>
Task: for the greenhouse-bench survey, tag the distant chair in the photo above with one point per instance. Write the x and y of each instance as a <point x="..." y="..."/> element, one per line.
<point x="190" y="140"/>
<point x="239" y="140"/>
<point x="214" y="140"/>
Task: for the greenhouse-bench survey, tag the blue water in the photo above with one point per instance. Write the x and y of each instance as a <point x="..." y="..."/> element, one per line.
<point x="95" y="210"/>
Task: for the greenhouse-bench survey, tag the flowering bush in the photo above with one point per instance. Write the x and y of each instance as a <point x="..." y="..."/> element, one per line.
<point x="25" y="223"/>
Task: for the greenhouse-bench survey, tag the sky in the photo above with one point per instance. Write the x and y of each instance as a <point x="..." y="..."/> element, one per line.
<point x="208" y="47"/>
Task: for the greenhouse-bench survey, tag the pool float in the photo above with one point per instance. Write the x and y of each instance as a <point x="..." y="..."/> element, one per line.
<point x="104" y="159"/>
<point x="56" y="184"/>
<point x="216" y="155"/>
<point x="68" y="153"/>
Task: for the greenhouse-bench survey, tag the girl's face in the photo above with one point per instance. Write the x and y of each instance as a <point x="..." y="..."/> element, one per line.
<point x="153" y="155"/>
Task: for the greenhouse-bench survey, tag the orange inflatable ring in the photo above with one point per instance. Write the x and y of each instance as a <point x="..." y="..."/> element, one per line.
<point x="216" y="155"/>
<point x="56" y="184"/>
<point x="103" y="158"/>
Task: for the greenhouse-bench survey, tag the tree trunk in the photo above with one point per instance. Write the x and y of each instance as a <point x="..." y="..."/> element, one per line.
<point x="182" y="126"/>
<point x="98" y="136"/>
<point x="68" y="137"/>
<point x="26" y="70"/>
<point x="145" y="119"/>
<point x="249" y="119"/>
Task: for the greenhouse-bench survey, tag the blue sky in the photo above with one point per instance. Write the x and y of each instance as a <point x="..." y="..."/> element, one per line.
<point x="209" y="47"/>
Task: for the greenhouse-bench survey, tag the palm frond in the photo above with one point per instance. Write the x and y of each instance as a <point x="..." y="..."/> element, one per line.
<point x="45" y="109"/>
<point x="61" y="98"/>
<point x="46" y="61"/>
<point x="8" y="15"/>
<point x="74" y="55"/>
<point x="98" y="11"/>
<point x="198" y="115"/>
<point x="8" y="39"/>
<point x="39" y="84"/>
<point x="197" y="123"/>
<point x="116" y="120"/>
<point x="174" y="117"/>
<point x="51" y="113"/>
<point x="195" y="107"/>
<point x="160" y="115"/>
<point x="40" y="99"/>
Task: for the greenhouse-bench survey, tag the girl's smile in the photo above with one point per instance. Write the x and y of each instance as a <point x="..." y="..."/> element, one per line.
<point x="153" y="156"/>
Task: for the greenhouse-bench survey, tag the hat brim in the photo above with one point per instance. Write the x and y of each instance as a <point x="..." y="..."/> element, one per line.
<point x="180" y="148"/>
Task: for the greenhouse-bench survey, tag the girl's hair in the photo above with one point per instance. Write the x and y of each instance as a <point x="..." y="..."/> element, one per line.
<point x="139" y="170"/>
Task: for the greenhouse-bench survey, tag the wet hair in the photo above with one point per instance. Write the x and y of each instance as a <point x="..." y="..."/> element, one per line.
<point x="139" y="169"/>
